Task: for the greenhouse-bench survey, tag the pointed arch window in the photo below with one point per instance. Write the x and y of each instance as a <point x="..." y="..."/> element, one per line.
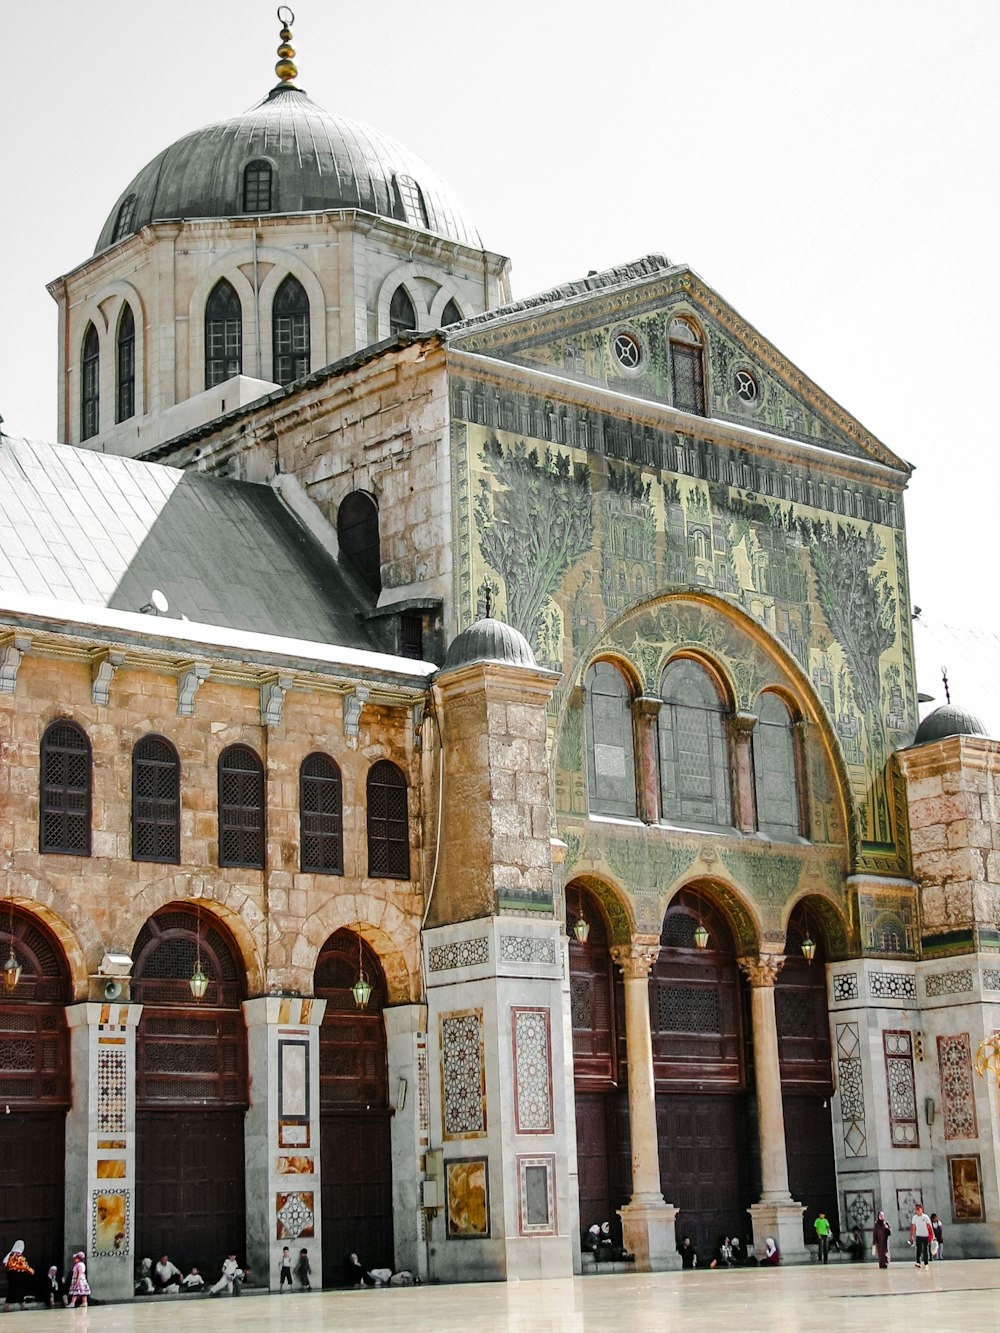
<point x="124" y="222"/>
<point x="388" y="822"/>
<point x="402" y="316"/>
<point x="358" y="537"/>
<point x="65" y="790"/>
<point x="223" y="334"/>
<point x="610" y="749"/>
<point x="241" y="808"/>
<point x="258" y="179"/>
<point x="125" y="369"/>
<point x="156" y="801"/>
<point x="90" y="384"/>
<point x="290" y="332"/>
<point x="687" y="366"/>
<point x="774" y="768"/>
<point x="451" y="314"/>
<point x="694" y="755"/>
<point x="321" y="816"/>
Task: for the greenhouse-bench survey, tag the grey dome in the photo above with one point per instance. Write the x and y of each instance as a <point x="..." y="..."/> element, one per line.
<point x="489" y="640"/>
<point x="320" y="162"/>
<point x="948" y="720"/>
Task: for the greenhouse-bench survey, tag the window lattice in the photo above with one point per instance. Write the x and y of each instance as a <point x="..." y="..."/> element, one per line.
<point x="774" y="768"/>
<point x="794" y="1012"/>
<point x="411" y="199"/>
<point x="610" y="754"/>
<point x="694" y="761"/>
<point x="689" y="1009"/>
<point x="388" y="822"/>
<point x="321" y="816"/>
<point x="402" y="316"/>
<point x="257" y="191"/>
<point x="678" y="931"/>
<point x="687" y="367"/>
<point x="125" y="386"/>
<point x="223" y="335"/>
<point x="125" y="219"/>
<point x="65" y="790"/>
<point x="241" y="808"/>
<point x="90" y="385"/>
<point x="156" y="806"/>
<point x="290" y="332"/>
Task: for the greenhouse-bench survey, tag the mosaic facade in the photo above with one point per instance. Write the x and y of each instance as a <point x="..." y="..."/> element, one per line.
<point x="463" y="1075"/>
<point x="901" y="1089"/>
<point x="112" y="1090"/>
<point x="958" y="1098"/>
<point x="459" y="953"/>
<point x="532" y="1071"/>
<point x="850" y="1083"/>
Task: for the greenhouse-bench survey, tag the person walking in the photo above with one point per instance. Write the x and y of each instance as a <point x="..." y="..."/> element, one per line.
<point x="822" y="1228"/>
<point x="79" y="1286"/>
<point x="938" y="1230"/>
<point x="880" y="1235"/>
<point x="18" y="1272"/>
<point x="303" y="1270"/>
<point x="922" y="1232"/>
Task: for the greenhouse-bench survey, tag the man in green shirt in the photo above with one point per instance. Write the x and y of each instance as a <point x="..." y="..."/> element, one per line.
<point x="823" y="1235"/>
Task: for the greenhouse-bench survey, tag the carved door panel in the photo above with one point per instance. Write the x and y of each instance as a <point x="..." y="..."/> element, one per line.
<point x="704" y="1165"/>
<point x="356" y="1166"/>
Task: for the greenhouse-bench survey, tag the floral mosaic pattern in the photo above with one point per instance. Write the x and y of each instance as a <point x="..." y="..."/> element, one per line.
<point x="459" y="953"/>
<point x="463" y="1075"/>
<point x="892" y="986"/>
<point x="527" y="949"/>
<point x="898" y="1051"/>
<point x="852" y="1090"/>
<point x="958" y="1100"/>
<point x="845" y="986"/>
<point x="532" y="1071"/>
<point x="948" y="983"/>
<point x="295" y="1214"/>
<point x="111" y="1090"/>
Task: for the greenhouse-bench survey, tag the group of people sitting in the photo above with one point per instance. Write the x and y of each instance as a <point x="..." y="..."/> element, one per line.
<point x="598" y="1241"/>
<point x="25" y="1285"/>
<point x="166" y="1279"/>
<point x="728" y="1252"/>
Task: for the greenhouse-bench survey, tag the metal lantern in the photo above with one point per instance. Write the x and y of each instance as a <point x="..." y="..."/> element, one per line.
<point x="362" y="988"/>
<point x="581" y="928"/>
<point x="11" y="971"/>
<point x="198" y="982"/>
<point x="809" y="948"/>
<point x="701" y="935"/>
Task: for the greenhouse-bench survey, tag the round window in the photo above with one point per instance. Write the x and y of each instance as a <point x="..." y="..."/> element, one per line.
<point x="745" y="384"/>
<point x="627" y="350"/>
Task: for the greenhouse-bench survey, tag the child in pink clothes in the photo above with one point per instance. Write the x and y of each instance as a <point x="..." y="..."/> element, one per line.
<point x="79" y="1286"/>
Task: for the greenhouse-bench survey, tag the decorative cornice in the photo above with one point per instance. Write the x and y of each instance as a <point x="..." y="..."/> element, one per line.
<point x="102" y="673"/>
<point x="11" y="655"/>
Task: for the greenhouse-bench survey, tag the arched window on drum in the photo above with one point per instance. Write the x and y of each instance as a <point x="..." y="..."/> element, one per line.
<point x="775" y="770"/>
<point x="610" y="747"/>
<point x="694" y="754"/>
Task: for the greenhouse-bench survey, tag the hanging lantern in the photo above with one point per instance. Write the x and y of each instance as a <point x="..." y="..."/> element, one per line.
<point x="809" y="948"/>
<point x="198" y="982"/>
<point x="701" y="936"/>
<point x="362" y="988"/>
<point x="581" y="928"/>
<point x="11" y="971"/>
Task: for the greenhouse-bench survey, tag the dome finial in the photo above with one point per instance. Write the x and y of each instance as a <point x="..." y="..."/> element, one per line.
<point x="286" y="69"/>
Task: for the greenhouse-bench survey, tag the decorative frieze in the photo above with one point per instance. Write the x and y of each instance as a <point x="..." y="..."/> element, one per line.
<point x="527" y="949"/>
<point x="991" y="978"/>
<point x="948" y="983"/>
<point x="892" y="986"/>
<point x="459" y="953"/>
<point x="845" y="986"/>
<point x="958" y="1099"/>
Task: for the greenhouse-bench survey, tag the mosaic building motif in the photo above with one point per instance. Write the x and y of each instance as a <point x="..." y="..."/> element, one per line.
<point x="958" y="1099"/>
<point x="850" y="1082"/>
<point x="463" y="1075"/>
<point x="111" y="1090"/>
<point x="532" y="1071"/>
<point x="901" y="1089"/>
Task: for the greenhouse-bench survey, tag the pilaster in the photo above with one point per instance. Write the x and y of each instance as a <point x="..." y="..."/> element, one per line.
<point x="406" y="1051"/>
<point x="646" y="712"/>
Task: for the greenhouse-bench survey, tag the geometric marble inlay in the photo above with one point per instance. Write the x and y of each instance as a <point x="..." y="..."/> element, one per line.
<point x="111" y="1092"/>
<point x="463" y="1074"/>
<point x="991" y="978"/>
<point x="527" y="949"/>
<point x="460" y="953"/>
<point x="948" y="983"/>
<point x="851" y="1087"/>
<point x="859" y="1208"/>
<point x="903" y="1128"/>
<point x="532" y="1074"/>
<point x="892" y="986"/>
<point x="295" y="1216"/>
<point x="907" y="1199"/>
<point x="845" y="986"/>
<point x="958" y="1100"/>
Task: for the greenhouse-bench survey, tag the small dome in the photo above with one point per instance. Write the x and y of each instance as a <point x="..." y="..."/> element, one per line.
<point x="489" y="640"/>
<point x="320" y="162"/>
<point x="948" y="720"/>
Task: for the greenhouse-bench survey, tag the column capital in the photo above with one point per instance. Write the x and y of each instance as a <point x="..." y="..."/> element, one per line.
<point x="743" y="724"/>
<point x="636" y="958"/>
<point x="763" y="970"/>
<point x="647" y="705"/>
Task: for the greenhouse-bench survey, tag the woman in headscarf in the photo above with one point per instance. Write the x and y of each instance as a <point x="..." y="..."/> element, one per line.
<point x="18" y="1272"/>
<point x="880" y="1235"/>
<point x="771" y="1255"/>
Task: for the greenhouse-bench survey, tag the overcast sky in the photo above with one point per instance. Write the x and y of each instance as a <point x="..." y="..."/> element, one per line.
<point x="832" y="170"/>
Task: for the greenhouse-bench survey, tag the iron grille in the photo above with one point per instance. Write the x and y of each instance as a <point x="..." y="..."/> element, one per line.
<point x="156" y="806"/>
<point x="321" y="816"/>
<point x="689" y="379"/>
<point x="65" y="790"/>
<point x="241" y="808"/>
<point x="388" y="831"/>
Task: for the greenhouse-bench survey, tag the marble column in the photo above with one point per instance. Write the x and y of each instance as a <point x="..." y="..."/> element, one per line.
<point x="647" y="1221"/>
<point x="100" y="1144"/>
<point x="741" y="727"/>
<point x="282" y="1134"/>
<point x="646" y="712"/>
<point x="406" y="1052"/>
<point x="776" y="1214"/>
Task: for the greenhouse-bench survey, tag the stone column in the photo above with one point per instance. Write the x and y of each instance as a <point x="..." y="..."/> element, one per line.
<point x="406" y="1052"/>
<point x="646" y="712"/>
<point x="282" y="1134"/>
<point x="647" y="1221"/>
<point x="100" y="1144"/>
<point x="741" y="727"/>
<point x="777" y="1214"/>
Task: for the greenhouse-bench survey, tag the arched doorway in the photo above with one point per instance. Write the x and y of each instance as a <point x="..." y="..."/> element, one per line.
<point x="34" y="1090"/>
<point x="191" y="1091"/>
<point x="704" y="1112"/>
<point x="355" y="1148"/>
<point x="600" y="1070"/>
<point x="806" y="1071"/>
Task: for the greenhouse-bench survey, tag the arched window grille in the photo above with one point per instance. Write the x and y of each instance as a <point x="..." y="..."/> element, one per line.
<point x="357" y="534"/>
<point x="410" y="201"/>
<point x="223" y="334"/>
<point x="125" y="219"/>
<point x="450" y="314"/>
<point x="241" y="808"/>
<point x="774" y="768"/>
<point x="610" y="749"/>
<point x="694" y="757"/>
<point x="125" y="395"/>
<point x="321" y="816"/>
<point x="65" y="790"/>
<point x="257" y="192"/>
<point x="290" y="332"/>
<point x="90" y="385"/>
<point x="687" y="366"/>
<point x="156" y="801"/>
<point x="402" y="316"/>
<point x="388" y="822"/>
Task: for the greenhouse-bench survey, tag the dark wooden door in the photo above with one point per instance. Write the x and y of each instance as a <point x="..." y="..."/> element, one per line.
<point x="812" y="1175"/>
<point x="356" y="1165"/>
<point x="32" y="1174"/>
<point x="704" y="1164"/>
<point x="190" y="1173"/>
<point x="592" y="1158"/>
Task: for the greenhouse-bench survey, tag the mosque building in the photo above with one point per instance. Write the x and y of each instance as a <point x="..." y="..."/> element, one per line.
<point x="459" y="758"/>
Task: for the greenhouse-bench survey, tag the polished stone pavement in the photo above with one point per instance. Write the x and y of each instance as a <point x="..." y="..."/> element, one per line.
<point x="956" y="1294"/>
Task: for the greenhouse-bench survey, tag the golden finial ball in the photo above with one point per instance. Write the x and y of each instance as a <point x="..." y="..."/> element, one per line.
<point x="285" y="51"/>
<point x="285" y="70"/>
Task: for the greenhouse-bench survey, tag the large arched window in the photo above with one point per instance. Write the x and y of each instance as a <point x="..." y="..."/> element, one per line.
<point x="388" y="822"/>
<point x="156" y="801"/>
<point x="694" y="760"/>
<point x="65" y="790"/>
<point x="223" y="334"/>
<point x="241" y="808"/>
<point x="450" y="314"/>
<point x="687" y="366"/>
<point x="774" y="768"/>
<point x="258" y="178"/>
<point x="357" y="535"/>
<point x="321" y="816"/>
<point x="90" y="384"/>
<point x="402" y="316"/>
<point x="610" y="751"/>
<point x="290" y="332"/>
<point x="125" y="387"/>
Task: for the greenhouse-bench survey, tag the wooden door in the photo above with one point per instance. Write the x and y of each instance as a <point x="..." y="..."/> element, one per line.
<point x="812" y="1175"/>
<point x="32" y="1174"/>
<point x="704" y="1165"/>
<point x="356" y="1164"/>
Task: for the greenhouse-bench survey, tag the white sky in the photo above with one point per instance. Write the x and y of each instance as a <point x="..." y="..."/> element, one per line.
<point x="832" y="170"/>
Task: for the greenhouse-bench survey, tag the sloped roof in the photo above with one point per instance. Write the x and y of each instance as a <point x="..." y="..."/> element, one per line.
<point x="100" y="530"/>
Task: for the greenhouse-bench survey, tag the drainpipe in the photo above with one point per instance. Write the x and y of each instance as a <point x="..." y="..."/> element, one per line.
<point x="256" y="304"/>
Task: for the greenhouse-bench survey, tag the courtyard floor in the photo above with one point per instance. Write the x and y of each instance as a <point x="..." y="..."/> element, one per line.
<point x="953" y="1295"/>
